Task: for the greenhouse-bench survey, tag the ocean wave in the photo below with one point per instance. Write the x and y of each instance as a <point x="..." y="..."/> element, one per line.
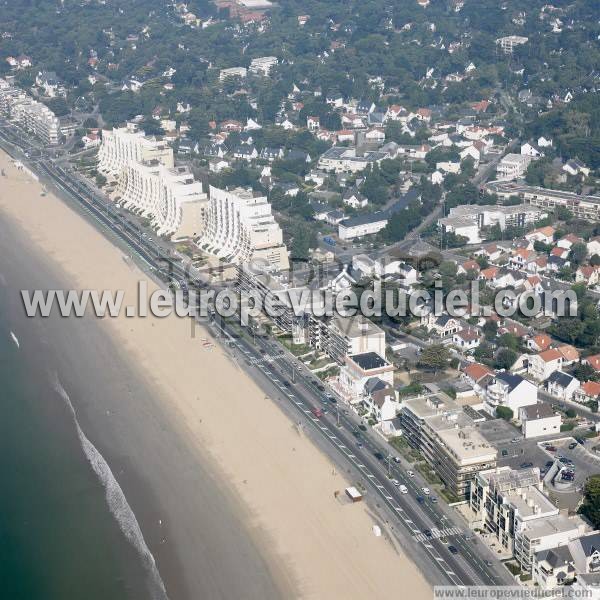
<point x="115" y="499"/>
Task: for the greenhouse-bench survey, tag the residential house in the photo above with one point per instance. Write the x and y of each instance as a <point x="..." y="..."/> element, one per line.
<point x="380" y="400"/>
<point x="561" y="385"/>
<point x="354" y="199"/>
<point x="553" y="568"/>
<point x="587" y="392"/>
<point x="510" y="391"/>
<point x="443" y="326"/>
<point x="358" y="369"/>
<point x="593" y="361"/>
<point x="467" y="339"/>
<point x="593" y="246"/>
<point x="568" y="240"/>
<point x="478" y="376"/>
<point x="539" y="420"/>
<point x="586" y="553"/>
<point x="576" y="167"/>
<point x="539" y="342"/>
<point x="588" y="275"/>
<point x="542" y="365"/>
<point x="541" y="234"/>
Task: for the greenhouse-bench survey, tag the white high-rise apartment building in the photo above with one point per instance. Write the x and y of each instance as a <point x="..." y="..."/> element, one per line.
<point x="124" y="146"/>
<point x="29" y="113"/>
<point x="150" y="184"/>
<point x="240" y="227"/>
<point x="170" y="197"/>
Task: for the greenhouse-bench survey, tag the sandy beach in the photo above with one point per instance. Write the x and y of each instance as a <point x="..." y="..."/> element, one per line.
<point x="231" y="500"/>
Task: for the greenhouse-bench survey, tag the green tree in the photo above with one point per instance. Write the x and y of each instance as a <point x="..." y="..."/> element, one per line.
<point x="434" y="357"/>
<point x="591" y="503"/>
<point x="505" y="358"/>
<point x="490" y="329"/>
<point x="503" y="412"/>
<point x="578" y="253"/>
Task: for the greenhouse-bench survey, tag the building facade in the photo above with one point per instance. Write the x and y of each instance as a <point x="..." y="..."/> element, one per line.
<point x="240" y="227"/>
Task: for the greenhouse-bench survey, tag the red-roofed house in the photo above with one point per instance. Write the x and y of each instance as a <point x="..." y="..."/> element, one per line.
<point x="587" y="274"/>
<point x="539" y="342"/>
<point x="488" y="274"/>
<point x="593" y="361"/>
<point x="587" y="392"/>
<point x="466" y="339"/>
<point x="542" y="365"/>
<point x="469" y="265"/>
<point x="542" y="234"/>
<point x="560" y="252"/>
<point x="568" y="240"/>
<point x="480" y="107"/>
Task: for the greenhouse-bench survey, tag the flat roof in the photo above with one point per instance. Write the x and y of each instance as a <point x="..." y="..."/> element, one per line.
<point x="369" y="360"/>
<point x="552" y="525"/>
<point x="467" y="444"/>
<point x="357" y="326"/>
<point x="430" y="406"/>
<point x="510" y="187"/>
<point x="530" y="502"/>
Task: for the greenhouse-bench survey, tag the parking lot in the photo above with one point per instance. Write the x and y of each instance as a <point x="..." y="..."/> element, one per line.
<point x="513" y="449"/>
<point x="580" y="465"/>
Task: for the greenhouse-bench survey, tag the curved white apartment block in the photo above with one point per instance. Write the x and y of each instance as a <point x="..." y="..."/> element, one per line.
<point x="170" y="197"/>
<point x="127" y="145"/>
<point x="240" y="227"/>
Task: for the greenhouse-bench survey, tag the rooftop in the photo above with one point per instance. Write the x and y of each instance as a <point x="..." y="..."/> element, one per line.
<point x="369" y="360"/>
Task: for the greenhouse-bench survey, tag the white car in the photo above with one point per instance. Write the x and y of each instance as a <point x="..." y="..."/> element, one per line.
<point x="395" y="482"/>
<point x="403" y="489"/>
<point x="426" y="491"/>
<point x="410" y="473"/>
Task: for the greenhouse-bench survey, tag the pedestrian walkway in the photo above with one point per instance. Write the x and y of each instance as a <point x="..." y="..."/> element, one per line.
<point x="438" y="533"/>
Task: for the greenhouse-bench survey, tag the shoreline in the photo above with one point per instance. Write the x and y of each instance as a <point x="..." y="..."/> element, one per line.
<point x="205" y="411"/>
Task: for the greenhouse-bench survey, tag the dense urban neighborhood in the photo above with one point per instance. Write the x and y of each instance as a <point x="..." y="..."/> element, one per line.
<point x="391" y="150"/>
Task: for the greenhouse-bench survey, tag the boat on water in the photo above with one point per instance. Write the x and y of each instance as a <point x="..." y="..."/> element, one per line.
<point x="15" y="339"/>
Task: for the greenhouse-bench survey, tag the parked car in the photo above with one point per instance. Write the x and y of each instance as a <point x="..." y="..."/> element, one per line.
<point x="572" y="445"/>
<point x="396" y="459"/>
<point x="426" y="491"/>
<point x="410" y="473"/>
<point x="526" y="465"/>
<point x="420" y="499"/>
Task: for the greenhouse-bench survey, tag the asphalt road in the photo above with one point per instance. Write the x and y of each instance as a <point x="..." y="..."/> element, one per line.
<point x="407" y="519"/>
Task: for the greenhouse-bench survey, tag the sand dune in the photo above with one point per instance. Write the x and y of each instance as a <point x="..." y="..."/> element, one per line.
<point x="314" y="546"/>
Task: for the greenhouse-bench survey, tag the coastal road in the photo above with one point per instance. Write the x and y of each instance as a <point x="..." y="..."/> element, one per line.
<point x="411" y="518"/>
<point x="338" y="429"/>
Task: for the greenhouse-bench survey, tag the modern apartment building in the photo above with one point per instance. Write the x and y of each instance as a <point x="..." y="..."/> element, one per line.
<point x="468" y="220"/>
<point x="448" y="439"/>
<point x="582" y="206"/>
<point x="339" y="337"/>
<point x="29" y="114"/>
<point x="510" y="505"/>
<point x="262" y="65"/>
<point x="240" y="228"/>
<point x="124" y="146"/>
<point x="513" y="166"/>
<point x="508" y="43"/>
<point x="170" y="197"/>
